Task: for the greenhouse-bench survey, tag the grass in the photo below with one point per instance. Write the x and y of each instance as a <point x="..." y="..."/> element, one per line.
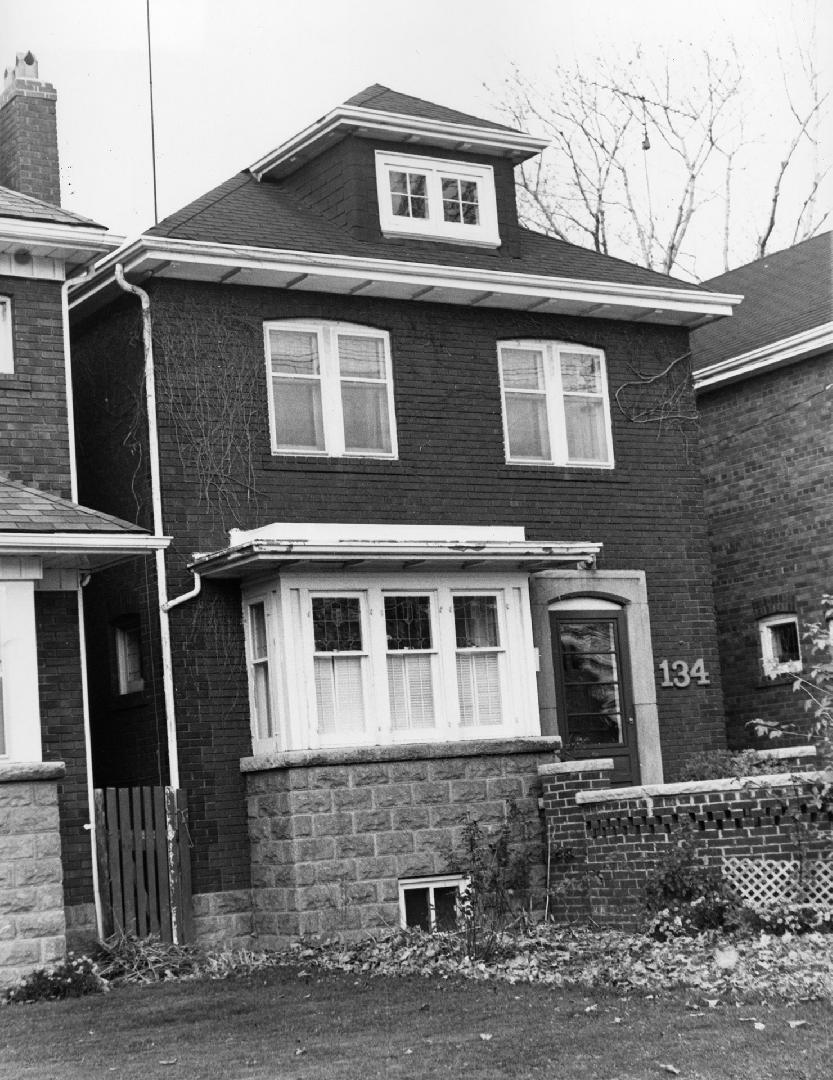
<point x="290" y="1026"/>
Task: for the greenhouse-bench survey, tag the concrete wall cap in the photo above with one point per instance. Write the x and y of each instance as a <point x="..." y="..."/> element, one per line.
<point x="586" y="765"/>
<point x="362" y="755"/>
<point x="691" y="787"/>
<point x="15" y="771"/>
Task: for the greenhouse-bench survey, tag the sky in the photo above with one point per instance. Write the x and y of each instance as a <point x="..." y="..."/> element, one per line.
<point x="234" y="78"/>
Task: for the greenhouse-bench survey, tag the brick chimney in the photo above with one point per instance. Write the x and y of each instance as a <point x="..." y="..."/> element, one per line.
<point x="29" y="132"/>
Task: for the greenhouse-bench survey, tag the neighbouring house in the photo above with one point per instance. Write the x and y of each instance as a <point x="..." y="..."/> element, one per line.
<point x="49" y="545"/>
<point x="764" y="384"/>
<point x="427" y="526"/>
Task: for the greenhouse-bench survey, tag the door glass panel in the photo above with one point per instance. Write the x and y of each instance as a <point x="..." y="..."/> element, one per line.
<point x="591" y="681"/>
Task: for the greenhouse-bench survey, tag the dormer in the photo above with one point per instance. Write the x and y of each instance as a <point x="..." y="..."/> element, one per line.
<point x="386" y="165"/>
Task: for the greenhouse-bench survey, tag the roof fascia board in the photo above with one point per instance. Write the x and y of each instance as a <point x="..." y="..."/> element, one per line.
<point x="351" y="118"/>
<point x="775" y="353"/>
<point x="58" y="542"/>
<point x="693" y="301"/>
<point x="52" y="234"/>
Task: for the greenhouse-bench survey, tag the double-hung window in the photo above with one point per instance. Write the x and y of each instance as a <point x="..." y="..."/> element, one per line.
<point x="331" y="389"/>
<point x="377" y="660"/>
<point x="6" y="337"/>
<point x="555" y="404"/>
<point x="437" y="199"/>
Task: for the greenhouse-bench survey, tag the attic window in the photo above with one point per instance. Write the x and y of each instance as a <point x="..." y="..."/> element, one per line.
<point x="436" y="199"/>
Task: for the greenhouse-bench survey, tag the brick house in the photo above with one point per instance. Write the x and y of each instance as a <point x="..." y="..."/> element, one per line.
<point x="763" y="383"/>
<point x="49" y="544"/>
<point x="420" y="541"/>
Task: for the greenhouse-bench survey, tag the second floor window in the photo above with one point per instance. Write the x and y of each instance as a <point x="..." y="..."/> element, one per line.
<point x="6" y="338"/>
<point x="331" y="390"/>
<point x="555" y="404"/>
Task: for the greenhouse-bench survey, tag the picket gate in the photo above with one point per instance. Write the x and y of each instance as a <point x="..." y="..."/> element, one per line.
<point x="144" y="862"/>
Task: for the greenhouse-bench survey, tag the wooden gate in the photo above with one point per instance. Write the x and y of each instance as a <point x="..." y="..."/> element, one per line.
<point x="144" y="862"/>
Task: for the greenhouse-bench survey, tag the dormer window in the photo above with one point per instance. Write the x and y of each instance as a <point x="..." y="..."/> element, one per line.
<point x="436" y="199"/>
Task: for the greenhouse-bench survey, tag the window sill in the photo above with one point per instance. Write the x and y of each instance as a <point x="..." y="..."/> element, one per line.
<point x="130" y="701"/>
<point x="786" y="678"/>
<point x="19" y="771"/>
<point x="363" y="755"/>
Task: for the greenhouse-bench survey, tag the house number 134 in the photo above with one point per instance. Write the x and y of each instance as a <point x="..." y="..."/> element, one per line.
<point x="678" y="673"/>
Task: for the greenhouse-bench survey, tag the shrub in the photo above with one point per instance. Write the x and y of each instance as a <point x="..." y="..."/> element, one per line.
<point x="686" y="896"/>
<point x="722" y="764"/>
<point x="71" y="978"/>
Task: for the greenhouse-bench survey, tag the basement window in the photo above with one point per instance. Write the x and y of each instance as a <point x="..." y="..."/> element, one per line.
<point x="430" y="903"/>
<point x="780" y="645"/>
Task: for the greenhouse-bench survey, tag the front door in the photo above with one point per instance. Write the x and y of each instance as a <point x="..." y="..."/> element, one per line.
<point x="595" y="701"/>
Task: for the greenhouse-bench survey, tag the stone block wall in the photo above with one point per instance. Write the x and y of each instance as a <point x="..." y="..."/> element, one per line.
<point x="32" y="922"/>
<point x="606" y="841"/>
<point x="332" y="833"/>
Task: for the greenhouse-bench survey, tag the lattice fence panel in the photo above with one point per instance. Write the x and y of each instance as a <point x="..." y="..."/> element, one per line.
<point x="763" y="883"/>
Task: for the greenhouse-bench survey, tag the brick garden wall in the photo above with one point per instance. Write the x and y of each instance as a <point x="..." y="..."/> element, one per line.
<point x="32" y="923"/>
<point x="330" y="841"/>
<point x="768" y="467"/>
<point x="605" y="842"/>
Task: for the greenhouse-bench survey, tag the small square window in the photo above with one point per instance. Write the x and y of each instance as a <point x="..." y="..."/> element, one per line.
<point x="430" y="903"/>
<point x="128" y="640"/>
<point x="780" y="645"/>
<point x="6" y="337"/>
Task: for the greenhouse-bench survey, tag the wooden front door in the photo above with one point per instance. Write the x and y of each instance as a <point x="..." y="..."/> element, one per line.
<point x="595" y="700"/>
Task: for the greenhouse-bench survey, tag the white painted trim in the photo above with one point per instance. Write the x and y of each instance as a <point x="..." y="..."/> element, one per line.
<point x="435" y="881"/>
<point x="22" y="543"/>
<point x="146" y="249"/>
<point x="693" y="787"/>
<point x="797" y="347"/>
<point x="19" y="660"/>
<point x="88" y="763"/>
<point x="349" y="118"/>
<point x="54" y="240"/>
<point x="6" y="336"/>
<point x="772" y="667"/>
<point x="338" y="533"/>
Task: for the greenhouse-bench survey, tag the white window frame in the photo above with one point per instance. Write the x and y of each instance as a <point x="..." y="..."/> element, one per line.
<point x="6" y="337"/>
<point x="554" y="397"/>
<point x="772" y="667"/>
<point x="438" y="881"/>
<point x="19" y="669"/>
<point x="327" y="332"/>
<point x="125" y="637"/>
<point x="292" y="662"/>
<point x="253" y="661"/>
<point x="435" y="227"/>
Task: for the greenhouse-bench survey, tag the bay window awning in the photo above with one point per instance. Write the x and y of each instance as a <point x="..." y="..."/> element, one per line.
<point x="383" y="547"/>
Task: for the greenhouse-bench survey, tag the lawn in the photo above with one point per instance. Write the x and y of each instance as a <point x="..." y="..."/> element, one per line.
<point x="284" y="1023"/>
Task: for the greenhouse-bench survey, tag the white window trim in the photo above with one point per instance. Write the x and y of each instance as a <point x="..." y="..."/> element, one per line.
<point x="771" y="666"/>
<point x="125" y="684"/>
<point x="291" y="656"/>
<point x="6" y="337"/>
<point x="435" y="227"/>
<point x="554" y="397"/>
<point x="439" y="881"/>
<point x="327" y="332"/>
<point x="19" y="662"/>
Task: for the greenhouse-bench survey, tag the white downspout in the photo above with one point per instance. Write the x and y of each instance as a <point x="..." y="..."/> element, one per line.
<point x="73" y="468"/>
<point x="156" y="502"/>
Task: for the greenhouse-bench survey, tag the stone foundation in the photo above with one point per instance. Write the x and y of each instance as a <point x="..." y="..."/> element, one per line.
<point x="32" y="921"/>
<point x="82" y="931"/>
<point x="223" y="920"/>
<point x="332" y="832"/>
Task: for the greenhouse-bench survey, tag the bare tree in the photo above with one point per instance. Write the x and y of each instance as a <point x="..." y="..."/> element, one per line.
<point x="647" y="157"/>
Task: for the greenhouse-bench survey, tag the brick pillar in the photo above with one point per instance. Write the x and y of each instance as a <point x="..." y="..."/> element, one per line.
<point x="570" y="894"/>
<point x="29" y="133"/>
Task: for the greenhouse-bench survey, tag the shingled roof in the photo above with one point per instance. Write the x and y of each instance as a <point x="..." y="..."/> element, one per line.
<point x="383" y="99"/>
<point x="266" y="215"/>
<point x="785" y="293"/>
<point x="29" y="510"/>
<point x="13" y="204"/>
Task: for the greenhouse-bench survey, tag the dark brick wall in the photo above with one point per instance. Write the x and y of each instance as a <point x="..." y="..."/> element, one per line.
<point x="29" y="141"/>
<point x="341" y="184"/>
<point x="218" y="472"/>
<point x="62" y="724"/>
<point x="768" y="466"/>
<point x="33" y="417"/>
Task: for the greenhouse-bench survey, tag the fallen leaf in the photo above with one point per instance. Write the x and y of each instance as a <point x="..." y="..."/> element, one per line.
<point x="485" y="1035"/>
<point x="758" y="1026"/>
<point x="591" y="1008"/>
<point x="797" y="1023"/>
<point x="300" y="1050"/>
<point x="168" y="1061"/>
<point x="671" y="1069"/>
<point x="712" y="1002"/>
<point x="617" y="1019"/>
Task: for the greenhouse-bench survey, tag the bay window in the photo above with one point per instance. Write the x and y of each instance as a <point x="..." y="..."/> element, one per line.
<point x="385" y="659"/>
<point x="555" y="404"/>
<point x="331" y="389"/>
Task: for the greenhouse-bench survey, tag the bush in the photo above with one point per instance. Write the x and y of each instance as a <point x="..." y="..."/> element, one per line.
<point x="686" y="896"/>
<point x="71" y="978"/>
<point x="723" y="764"/>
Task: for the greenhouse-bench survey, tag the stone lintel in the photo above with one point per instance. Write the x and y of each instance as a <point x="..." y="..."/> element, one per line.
<point x="15" y="771"/>
<point x="556" y="768"/>
<point x="693" y="787"/>
<point x="365" y="755"/>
